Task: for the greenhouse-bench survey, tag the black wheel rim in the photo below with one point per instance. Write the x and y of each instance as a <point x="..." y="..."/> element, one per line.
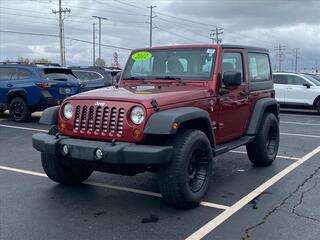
<point x="197" y="170"/>
<point x="272" y="141"/>
<point x="17" y="110"/>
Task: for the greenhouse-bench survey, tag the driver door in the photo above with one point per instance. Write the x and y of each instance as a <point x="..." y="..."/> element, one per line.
<point x="233" y="102"/>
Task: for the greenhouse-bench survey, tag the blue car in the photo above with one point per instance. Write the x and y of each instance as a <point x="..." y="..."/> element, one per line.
<point x="27" y="88"/>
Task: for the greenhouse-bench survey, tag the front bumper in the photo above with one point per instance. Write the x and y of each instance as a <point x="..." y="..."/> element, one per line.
<point x="117" y="153"/>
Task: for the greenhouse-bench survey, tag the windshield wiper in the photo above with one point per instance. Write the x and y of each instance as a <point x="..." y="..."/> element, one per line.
<point x="169" y="78"/>
<point x="134" y="78"/>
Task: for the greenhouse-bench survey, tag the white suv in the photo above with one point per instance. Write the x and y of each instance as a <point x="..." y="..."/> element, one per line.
<point x="297" y="90"/>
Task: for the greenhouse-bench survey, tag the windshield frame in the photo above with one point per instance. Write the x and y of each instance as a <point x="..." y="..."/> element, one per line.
<point x="169" y="77"/>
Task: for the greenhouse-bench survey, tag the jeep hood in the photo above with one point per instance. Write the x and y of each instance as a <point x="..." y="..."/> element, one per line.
<point x="144" y="94"/>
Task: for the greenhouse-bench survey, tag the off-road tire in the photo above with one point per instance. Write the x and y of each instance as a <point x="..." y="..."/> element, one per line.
<point x="19" y="110"/>
<point x="318" y="106"/>
<point x="263" y="150"/>
<point x="60" y="172"/>
<point x="174" y="180"/>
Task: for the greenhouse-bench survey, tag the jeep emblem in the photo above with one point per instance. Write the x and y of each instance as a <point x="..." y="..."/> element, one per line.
<point x="101" y="104"/>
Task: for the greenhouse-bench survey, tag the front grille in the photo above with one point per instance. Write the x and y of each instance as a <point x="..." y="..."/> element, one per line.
<point x="99" y="120"/>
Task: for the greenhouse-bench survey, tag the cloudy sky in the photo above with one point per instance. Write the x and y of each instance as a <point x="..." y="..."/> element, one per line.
<point x="266" y="23"/>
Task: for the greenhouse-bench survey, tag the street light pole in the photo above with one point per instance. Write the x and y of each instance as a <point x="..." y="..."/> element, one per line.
<point x="100" y="18"/>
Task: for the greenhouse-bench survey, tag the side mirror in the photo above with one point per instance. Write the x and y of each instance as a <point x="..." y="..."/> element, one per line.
<point x="231" y="78"/>
<point x="308" y="85"/>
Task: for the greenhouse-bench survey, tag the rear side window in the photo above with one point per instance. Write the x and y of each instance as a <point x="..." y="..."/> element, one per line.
<point x="56" y="76"/>
<point x="23" y="74"/>
<point x="280" y="79"/>
<point x="259" y="67"/>
<point x="8" y="73"/>
<point x="87" y="75"/>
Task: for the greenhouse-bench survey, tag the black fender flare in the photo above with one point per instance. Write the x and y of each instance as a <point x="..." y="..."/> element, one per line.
<point x="160" y="123"/>
<point x="262" y="105"/>
<point x="14" y="92"/>
<point x="50" y="116"/>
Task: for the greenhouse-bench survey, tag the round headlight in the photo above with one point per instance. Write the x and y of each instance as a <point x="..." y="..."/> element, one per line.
<point x="137" y="115"/>
<point x="68" y="111"/>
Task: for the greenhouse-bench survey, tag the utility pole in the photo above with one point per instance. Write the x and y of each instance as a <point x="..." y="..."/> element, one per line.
<point x="280" y="49"/>
<point x="100" y="18"/>
<point x="151" y="24"/>
<point x="296" y="62"/>
<point x="61" y="32"/>
<point x="94" y="44"/>
<point x="214" y="35"/>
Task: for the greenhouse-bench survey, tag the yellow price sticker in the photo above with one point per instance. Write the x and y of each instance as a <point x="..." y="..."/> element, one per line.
<point x="141" y="56"/>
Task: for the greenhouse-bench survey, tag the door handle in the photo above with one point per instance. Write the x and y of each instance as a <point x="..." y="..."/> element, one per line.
<point x="244" y="94"/>
<point x="9" y="85"/>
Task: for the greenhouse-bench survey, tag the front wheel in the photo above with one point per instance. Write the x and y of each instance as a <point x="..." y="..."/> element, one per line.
<point x="185" y="181"/>
<point x="263" y="150"/>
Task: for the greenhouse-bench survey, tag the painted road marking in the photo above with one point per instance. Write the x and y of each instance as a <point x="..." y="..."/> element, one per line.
<point x="299" y="123"/>
<point x="300" y="135"/>
<point x="114" y="187"/>
<point x="214" y="223"/>
<point x="23" y="128"/>
<point x="278" y="156"/>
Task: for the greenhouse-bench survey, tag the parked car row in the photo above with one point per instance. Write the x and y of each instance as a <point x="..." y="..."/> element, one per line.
<point x="26" y="88"/>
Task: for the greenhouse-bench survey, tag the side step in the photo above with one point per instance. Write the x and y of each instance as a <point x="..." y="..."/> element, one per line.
<point x="223" y="148"/>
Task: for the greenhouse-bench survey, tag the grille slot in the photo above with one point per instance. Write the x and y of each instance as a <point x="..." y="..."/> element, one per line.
<point x="99" y="120"/>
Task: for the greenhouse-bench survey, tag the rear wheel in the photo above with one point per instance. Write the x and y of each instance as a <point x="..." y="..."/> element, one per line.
<point x="263" y="150"/>
<point x="60" y="172"/>
<point x="185" y="181"/>
<point x="19" y="110"/>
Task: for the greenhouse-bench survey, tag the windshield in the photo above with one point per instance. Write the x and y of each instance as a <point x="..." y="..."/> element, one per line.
<point x="171" y="64"/>
<point x="313" y="79"/>
<point x="56" y="76"/>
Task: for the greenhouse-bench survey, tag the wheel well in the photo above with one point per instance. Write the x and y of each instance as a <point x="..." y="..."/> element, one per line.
<point x="14" y="95"/>
<point x="273" y="109"/>
<point x="200" y="124"/>
<point x="316" y="100"/>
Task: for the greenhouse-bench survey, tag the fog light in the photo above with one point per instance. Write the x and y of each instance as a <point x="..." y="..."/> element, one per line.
<point x="65" y="150"/>
<point x="99" y="154"/>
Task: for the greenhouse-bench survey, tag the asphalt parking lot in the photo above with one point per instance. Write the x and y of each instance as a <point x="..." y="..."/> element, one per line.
<point x="244" y="202"/>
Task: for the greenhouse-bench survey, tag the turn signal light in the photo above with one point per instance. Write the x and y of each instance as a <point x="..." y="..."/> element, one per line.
<point x="61" y="126"/>
<point x="175" y="126"/>
<point x="136" y="134"/>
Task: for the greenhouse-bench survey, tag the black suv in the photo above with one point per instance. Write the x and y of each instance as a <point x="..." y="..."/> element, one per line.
<point x="94" y="77"/>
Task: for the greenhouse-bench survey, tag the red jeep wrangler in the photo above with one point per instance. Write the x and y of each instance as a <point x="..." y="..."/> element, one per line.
<point x="174" y="110"/>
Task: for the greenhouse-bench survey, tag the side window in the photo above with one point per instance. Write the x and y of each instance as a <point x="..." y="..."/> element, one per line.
<point x="295" y="80"/>
<point x="23" y="74"/>
<point x="95" y="76"/>
<point x="259" y="67"/>
<point x="232" y="61"/>
<point x="280" y="79"/>
<point x="7" y="73"/>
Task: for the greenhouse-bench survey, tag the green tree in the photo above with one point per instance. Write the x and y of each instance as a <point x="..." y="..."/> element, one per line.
<point x="100" y="62"/>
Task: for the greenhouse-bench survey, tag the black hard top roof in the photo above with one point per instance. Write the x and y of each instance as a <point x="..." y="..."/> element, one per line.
<point x="250" y="48"/>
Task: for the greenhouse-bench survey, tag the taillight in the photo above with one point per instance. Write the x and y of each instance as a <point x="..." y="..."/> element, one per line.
<point x="44" y="85"/>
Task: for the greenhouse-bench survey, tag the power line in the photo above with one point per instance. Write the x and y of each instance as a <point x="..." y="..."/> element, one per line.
<point x="69" y="38"/>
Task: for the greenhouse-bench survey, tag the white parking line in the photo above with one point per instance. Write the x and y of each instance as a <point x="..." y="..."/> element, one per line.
<point x="278" y="156"/>
<point x="214" y="223"/>
<point x="300" y="135"/>
<point x="114" y="187"/>
<point x="300" y="123"/>
<point x="23" y="128"/>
